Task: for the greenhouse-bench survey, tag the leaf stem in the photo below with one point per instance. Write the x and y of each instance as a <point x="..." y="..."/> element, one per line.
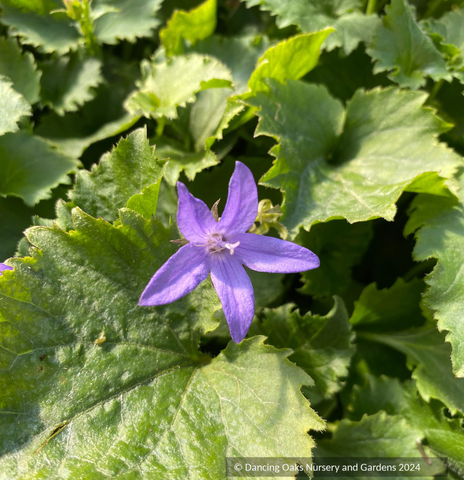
<point x="371" y="7"/>
<point x="436" y="88"/>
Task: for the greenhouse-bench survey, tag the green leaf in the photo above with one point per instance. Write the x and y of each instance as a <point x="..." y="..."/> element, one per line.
<point x="15" y="217"/>
<point x="354" y="163"/>
<point x="93" y="377"/>
<point x="429" y="355"/>
<point x="351" y="26"/>
<point x="13" y="106"/>
<point x="339" y="246"/>
<point x="133" y="19"/>
<point x="322" y="345"/>
<point x="400" y="45"/>
<point x="378" y="435"/>
<point x="100" y="118"/>
<point x="47" y="32"/>
<point x="442" y="237"/>
<point x="30" y="167"/>
<point x="159" y="96"/>
<point x="394" y="308"/>
<point x="20" y="68"/>
<point x="289" y="59"/>
<point x="122" y="173"/>
<point x="69" y="82"/>
<point x="190" y="163"/>
<point x="450" y="39"/>
<point x="444" y="436"/>
<point x="195" y="25"/>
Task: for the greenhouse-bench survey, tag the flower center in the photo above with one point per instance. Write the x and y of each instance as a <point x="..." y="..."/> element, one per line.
<point x="215" y="243"/>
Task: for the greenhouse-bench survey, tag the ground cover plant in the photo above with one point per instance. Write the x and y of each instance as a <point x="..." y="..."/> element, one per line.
<point x="348" y="114"/>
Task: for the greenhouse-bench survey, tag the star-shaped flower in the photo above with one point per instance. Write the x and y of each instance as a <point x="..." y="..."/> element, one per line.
<point x="222" y="248"/>
<point x="4" y="267"/>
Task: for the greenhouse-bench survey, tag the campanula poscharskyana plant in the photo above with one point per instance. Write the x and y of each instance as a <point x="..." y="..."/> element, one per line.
<point x="222" y="248"/>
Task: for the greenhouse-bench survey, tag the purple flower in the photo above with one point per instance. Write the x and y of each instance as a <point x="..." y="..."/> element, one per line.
<point x="222" y="248"/>
<point x="4" y="267"/>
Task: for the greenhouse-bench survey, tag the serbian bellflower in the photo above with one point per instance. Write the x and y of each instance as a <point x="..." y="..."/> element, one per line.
<point x="4" y="267"/>
<point x="222" y="248"/>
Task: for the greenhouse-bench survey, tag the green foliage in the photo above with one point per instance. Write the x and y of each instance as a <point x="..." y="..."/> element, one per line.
<point x="20" y="68"/>
<point x="195" y="25"/>
<point x="322" y="345"/>
<point x="159" y="96"/>
<point x="13" y="106"/>
<point x="351" y="163"/>
<point x="400" y="45"/>
<point x="351" y="26"/>
<point x="349" y="114"/>
<point x="69" y="82"/>
<point x="30" y="168"/>
<point x="122" y="173"/>
<point x="442" y="237"/>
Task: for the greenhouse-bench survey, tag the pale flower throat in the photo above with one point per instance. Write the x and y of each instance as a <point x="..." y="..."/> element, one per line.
<point x="215" y="243"/>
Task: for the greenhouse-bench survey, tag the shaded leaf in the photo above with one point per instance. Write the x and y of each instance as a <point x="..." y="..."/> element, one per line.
<point x="20" y="68"/>
<point x="49" y="33"/>
<point x="339" y="246"/>
<point x="351" y="164"/>
<point x="400" y="45"/>
<point x="30" y="167"/>
<point x="394" y="308"/>
<point x="444" y="436"/>
<point x="322" y="345"/>
<point x="429" y="357"/>
<point x="69" y="82"/>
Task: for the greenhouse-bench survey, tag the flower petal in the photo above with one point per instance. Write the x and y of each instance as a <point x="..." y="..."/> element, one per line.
<point x="4" y="267"/>
<point x="235" y="292"/>
<point x="242" y="202"/>
<point x="268" y="254"/>
<point x="181" y="274"/>
<point x="194" y="218"/>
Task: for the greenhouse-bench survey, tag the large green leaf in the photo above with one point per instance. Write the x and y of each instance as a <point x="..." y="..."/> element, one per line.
<point x="37" y="27"/>
<point x="444" y="436"/>
<point x="322" y="345"/>
<point x="351" y="25"/>
<point x="120" y="390"/>
<point x="13" y="106"/>
<point x="197" y="24"/>
<point x="69" y="82"/>
<point x="400" y="45"/>
<point x="30" y="167"/>
<point x="442" y="237"/>
<point x="20" y="68"/>
<point x="339" y="246"/>
<point x="354" y="163"/>
<point x="122" y="173"/>
<point x="125" y="20"/>
<point x="165" y="85"/>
